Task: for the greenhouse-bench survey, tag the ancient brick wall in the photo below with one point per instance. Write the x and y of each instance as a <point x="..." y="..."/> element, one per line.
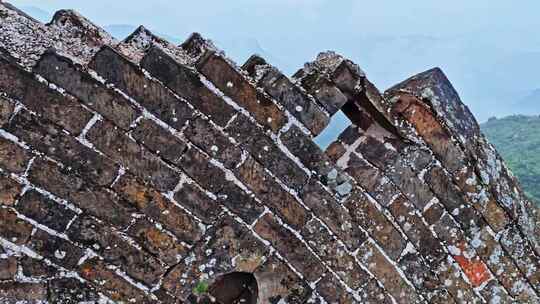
<point x="139" y="171"/>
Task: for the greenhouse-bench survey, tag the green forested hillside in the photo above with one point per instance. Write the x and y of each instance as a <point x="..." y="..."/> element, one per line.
<point x="517" y="138"/>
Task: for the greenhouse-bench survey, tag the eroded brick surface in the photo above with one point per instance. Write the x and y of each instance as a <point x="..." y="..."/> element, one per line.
<point x="149" y="173"/>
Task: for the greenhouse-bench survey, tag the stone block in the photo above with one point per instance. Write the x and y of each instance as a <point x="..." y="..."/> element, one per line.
<point x="99" y="202"/>
<point x="12" y="228"/>
<point x="186" y="82"/>
<point x="71" y="290"/>
<point x="9" y="190"/>
<point x="331" y="290"/>
<point x="16" y="292"/>
<point x="154" y="205"/>
<point x="45" y="211"/>
<point x="94" y="94"/>
<point x="52" y="141"/>
<point x="213" y="142"/>
<point x="56" y="249"/>
<point x="113" y="285"/>
<point x="6" y="110"/>
<point x="365" y="214"/>
<point x="199" y="203"/>
<point x="125" y="151"/>
<point x="116" y="249"/>
<point x="234" y="85"/>
<point x="13" y="158"/>
<point x="130" y="79"/>
<point x="333" y="214"/>
<point x="334" y="254"/>
<point x="253" y="174"/>
<point x="63" y="110"/>
<point x="267" y="152"/>
<point x="8" y="268"/>
<point x="277" y="282"/>
<point x="159" y="140"/>
<point x="283" y="239"/>
<point x="158" y="242"/>
<point x="387" y="274"/>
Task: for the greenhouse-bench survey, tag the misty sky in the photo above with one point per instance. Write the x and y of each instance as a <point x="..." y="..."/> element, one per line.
<point x="490" y="49"/>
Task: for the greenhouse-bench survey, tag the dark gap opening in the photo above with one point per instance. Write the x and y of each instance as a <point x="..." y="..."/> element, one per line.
<point x="235" y="288"/>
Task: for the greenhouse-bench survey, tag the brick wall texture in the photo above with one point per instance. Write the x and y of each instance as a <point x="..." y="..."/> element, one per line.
<point x="138" y="171"/>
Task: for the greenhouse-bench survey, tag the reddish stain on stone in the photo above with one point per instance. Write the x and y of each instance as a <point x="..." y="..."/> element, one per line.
<point x="475" y="270"/>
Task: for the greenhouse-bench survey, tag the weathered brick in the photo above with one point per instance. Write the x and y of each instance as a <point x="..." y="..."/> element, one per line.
<point x="159" y="140"/>
<point x="36" y="268"/>
<point x="9" y="190"/>
<point x="6" y="110"/>
<point x="157" y="242"/>
<point x="277" y="282"/>
<point x="373" y="293"/>
<point x="454" y="282"/>
<point x="197" y="165"/>
<point x="233" y="84"/>
<point x="272" y="194"/>
<point x="418" y="233"/>
<point x="331" y="290"/>
<point x="72" y="77"/>
<point x="364" y="173"/>
<point x="116" y="250"/>
<point x="8" y="268"/>
<point x="303" y="147"/>
<point x="365" y="214"/>
<point x="230" y="247"/>
<point x="334" y="254"/>
<point x="45" y="211"/>
<point x="186" y="82"/>
<point x="385" y="271"/>
<point x="416" y="190"/>
<point x="431" y="131"/>
<point x="239" y="202"/>
<point x="113" y="285"/>
<point x="51" y="140"/>
<point x="13" y="158"/>
<point x="495" y="293"/>
<point x="193" y="198"/>
<point x="522" y="253"/>
<point x="159" y="208"/>
<point x="99" y="202"/>
<point x="61" y="109"/>
<point x="267" y="152"/>
<point x="419" y="273"/>
<point x="332" y="213"/>
<point x="502" y="265"/>
<point x="16" y="292"/>
<point x="324" y="90"/>
<point x="129" y="78"/>
<point x="335" y="150"/>
<point x="434" y="212"/>
<point x="58" y="250"/>
<point x="379" y="153"/>
<point x="71" y="290"/>
<point x="12" y="228"/>
<point x="209" y="139"/>
<point x="293" y="98"/>
<point x="127" y="152"/>
<point x="282" y="239"/>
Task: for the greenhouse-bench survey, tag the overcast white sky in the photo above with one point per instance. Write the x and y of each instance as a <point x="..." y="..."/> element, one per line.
<point x="490" y="49"/>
